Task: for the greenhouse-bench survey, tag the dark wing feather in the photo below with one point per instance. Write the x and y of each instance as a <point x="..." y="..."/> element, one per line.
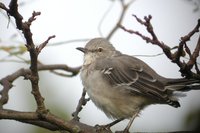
<point x="128" y="71"/>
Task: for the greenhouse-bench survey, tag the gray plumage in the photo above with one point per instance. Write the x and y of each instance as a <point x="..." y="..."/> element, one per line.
<point x="122" y="85"/>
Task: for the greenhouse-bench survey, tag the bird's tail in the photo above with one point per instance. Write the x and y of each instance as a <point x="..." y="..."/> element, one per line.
<point x="175" y="87"/>
<point x="183" y="84"/>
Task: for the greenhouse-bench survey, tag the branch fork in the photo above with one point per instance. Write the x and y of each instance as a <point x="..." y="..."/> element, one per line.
<point x="185" y="68"/>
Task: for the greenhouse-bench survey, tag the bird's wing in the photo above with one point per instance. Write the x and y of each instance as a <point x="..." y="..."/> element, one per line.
<point x="134" y="75"/>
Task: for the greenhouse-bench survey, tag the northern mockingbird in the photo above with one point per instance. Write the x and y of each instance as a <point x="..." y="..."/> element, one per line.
<point x="122" y="85"/>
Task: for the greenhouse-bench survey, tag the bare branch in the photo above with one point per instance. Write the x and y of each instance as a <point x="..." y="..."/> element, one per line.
<point x="149" y="27"/>
<point x="185" y="68"/>
<point x="124" y="9"/>
<point x="41" y="46"/>
<point x="49" y="121"/>
<point x="79" y="107"/>
<point x="69" y="41"/>
<point x="25" y="28"/>
<point x="2" y="6"/>
<point x="7" y="85"/>
<point x="103" y="18"/>
<point x="33" y="17"/>
<point x="42" y="117"/>
<point x="26" y="117"/>
<point x="64" y="67"/>
<point x="6" y="82"/>
<point x="13" y="11"/>
<point x="194" y="55"/>
<point x="165" y="48"/>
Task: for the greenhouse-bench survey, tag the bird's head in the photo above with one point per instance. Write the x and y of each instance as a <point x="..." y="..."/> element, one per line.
<point x="96" y="49"/>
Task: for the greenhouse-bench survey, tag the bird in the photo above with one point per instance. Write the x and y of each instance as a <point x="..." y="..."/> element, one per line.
<point x="122" y="85"/>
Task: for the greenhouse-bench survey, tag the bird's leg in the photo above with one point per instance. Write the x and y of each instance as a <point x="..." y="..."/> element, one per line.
<point x="113" y="123"/>
<point x="107" y="126"/>
<point x="126" y="130"/>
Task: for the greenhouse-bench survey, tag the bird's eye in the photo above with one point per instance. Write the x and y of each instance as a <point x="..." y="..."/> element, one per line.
<point x="100" y="49"/>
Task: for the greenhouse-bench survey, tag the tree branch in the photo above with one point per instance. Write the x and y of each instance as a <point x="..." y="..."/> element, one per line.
<point x="79" y="107"/>
<point x="50" y="121"/>
<point x="121" y="17"/>
<point x="42" y="117"/>
<point x="25" y="28"/>
<point x="41" y="46"/>
<point x="193" y="57"/>
<point x="6" y="82"/>
<point x="185" y="68"/>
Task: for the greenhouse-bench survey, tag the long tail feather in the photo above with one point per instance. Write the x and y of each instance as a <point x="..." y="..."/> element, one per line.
<point x="183" y="84"/>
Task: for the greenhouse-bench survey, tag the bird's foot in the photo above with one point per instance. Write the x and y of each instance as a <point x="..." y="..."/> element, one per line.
<point x="103" y="129"/>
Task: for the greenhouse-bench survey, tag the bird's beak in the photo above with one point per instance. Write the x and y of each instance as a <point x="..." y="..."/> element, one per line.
<point x="82" y="49"/>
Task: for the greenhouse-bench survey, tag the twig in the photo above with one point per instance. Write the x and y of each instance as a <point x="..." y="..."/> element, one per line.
<point x="124" y="9"/>
<point x="33" y="17"/>
<point x="62" y="74"/>
<point x="194" y="56"/>
<point x="73" y="70"/>
<point x="6" y="82"/>
<point x="103" y="18"/>
<point x="79" y="107"/>
<point x="69" y="41"/>
<point x="154" y="39"/>
<point x="25" y="28"/>
<point x="2" y="6"/>
<point x="41" y="46"/>
<point x="185" y="68"/>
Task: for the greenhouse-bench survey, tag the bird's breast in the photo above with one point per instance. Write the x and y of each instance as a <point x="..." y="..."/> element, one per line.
<point x="113" y="101"/>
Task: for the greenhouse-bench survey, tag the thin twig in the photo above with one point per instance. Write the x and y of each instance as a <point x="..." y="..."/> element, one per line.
<point x="6" y="82"/>
<point x="69" y="41"/>
<point x="185" y="68"/>
<point x="121" y="17"/>
<point x="194" y="55"/>
<point x="80" y="105"/>
<point x="103" y="18"/>
<point x="41" y="46"/>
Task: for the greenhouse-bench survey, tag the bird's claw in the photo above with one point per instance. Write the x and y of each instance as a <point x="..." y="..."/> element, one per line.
<point x="102" y="129"/>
